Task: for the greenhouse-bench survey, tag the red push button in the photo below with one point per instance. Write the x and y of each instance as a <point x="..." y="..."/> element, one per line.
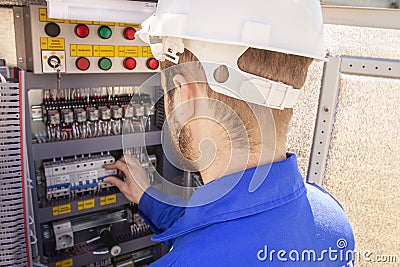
<point x="82" y="31"/>
<point x="153" y="63"/>
<point x="130" y="63"/>
<point x="129" y="33"/>
<point x="82" y="63"/>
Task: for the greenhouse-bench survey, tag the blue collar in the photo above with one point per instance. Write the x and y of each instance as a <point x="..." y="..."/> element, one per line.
<point x="280" y="183"/>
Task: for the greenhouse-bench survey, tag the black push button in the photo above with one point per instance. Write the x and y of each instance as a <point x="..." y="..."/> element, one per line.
<point x="52" y="29"/>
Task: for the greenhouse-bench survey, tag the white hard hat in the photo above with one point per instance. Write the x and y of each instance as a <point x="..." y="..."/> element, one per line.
<point x="221" y="31"/>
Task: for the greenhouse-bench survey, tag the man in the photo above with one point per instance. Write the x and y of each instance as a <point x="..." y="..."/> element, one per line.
<point x="232" y="71"/>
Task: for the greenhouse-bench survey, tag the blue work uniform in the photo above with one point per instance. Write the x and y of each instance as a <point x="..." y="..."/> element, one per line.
<point x="285" y="222"/>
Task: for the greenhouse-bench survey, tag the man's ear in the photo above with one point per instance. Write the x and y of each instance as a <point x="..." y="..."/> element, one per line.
<point x="185" y="97"/>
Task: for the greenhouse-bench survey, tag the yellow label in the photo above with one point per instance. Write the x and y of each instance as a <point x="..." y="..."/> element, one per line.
<point x="81" y="205"/>
<point x="65" y="263"/>
<point x="121" y="51"/>
<point x="55" y="20"/>
<point x="131" y="51"/>
<point x="72" y="50"/>
<point x="89" y="204"/>
<point x="65" y="209"/>
<point x="146" y="51"/>
<point x="72" y="22"/>
<point x="42" y="14"/>
<point x="96" y="50"/>
<point x="84" y="22"/>
<point x="103" y="201"/>
<point x="43" y="43"/>
<point x="116" y="50"/>
<point x="106" y="51"/>
<point x="133" y="25"/>
<point x="55" y="44"/>
<point x="111" y="199"/>
<point x="55" y="211"/>
<point x="84" y="50"/>
<point x="107" y="23"/>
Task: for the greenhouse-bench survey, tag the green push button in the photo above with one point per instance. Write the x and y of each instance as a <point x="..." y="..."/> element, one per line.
<point x="104" y="32"/>
<point x="105" y="63"/>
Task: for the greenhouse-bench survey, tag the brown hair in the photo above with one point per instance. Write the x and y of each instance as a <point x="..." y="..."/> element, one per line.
<point x="289" y="69"/>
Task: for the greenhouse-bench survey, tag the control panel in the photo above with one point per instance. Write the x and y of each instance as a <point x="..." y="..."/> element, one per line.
<point x="71" y="46"/>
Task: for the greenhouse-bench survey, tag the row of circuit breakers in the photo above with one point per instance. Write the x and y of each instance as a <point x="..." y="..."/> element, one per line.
<point x="78" y="176"/>
<point x="79" y="219"/>
<point x="87" y="46"/>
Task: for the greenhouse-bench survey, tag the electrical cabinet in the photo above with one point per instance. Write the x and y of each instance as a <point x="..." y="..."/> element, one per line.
<point x="79" y="219"/>
<point x="79" y="114"/>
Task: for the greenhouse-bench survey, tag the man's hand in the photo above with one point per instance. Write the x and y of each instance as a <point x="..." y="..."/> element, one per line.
<point x="136" y="182"/>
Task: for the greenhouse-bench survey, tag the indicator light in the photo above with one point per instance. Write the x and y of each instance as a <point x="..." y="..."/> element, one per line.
<point x="82" y="63"/>
<point x="105" y="63"/>
<point x="82" y="31"/>
<point x="104" y="32"/>
<point x="130" y="63"/>
<point x="129" y="33"/>
<point x="152" y="63"/>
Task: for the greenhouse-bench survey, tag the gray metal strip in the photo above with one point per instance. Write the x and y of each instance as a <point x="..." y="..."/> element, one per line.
<point x="11" y="110"/>
<point x="10" y="91"/>
<point x="10" y="223"/>
<point x="10" y="128"/>
<point x="10" y="187"/>
<point x="7" y="135"/>
<point x="12" y="158"/>
<point x="9" y="98"/>
<point x="9" y="122"/>
<point x="7" y="180"/>
<point x="14" y="191"/>
<point x="7" y="116"/>
<point x="9" y="220"/>
<point x="10" y="140"/>
<point x="12" y="210"/>
<point x="13" y="247"/>
<point x="371" y="67"/>
<point x="12" y="205"/>
<point x="364" y="17"/>
<point x="47" y="81"/>
<point x="93" y="145"/>
<point x="10" y="169"/>
<point x="325" y="119"/>
<point x="12" y="261"/>
<point x="10" y="176"/>
<point x="15" y="151"/>
<point x="12" y="232"/>
<point x="9" y="104"/>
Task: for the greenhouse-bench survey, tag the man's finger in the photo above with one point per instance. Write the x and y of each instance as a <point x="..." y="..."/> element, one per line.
<point x="117" y="165"/>
<point x="115" y="181"/>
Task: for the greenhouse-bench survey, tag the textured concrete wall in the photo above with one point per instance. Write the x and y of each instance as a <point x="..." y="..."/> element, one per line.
<point x="363" y="162"/>
<point x="7" y="37"/>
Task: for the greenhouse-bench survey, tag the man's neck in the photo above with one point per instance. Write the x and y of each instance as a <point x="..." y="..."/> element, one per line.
<point x="226" y="164"/>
